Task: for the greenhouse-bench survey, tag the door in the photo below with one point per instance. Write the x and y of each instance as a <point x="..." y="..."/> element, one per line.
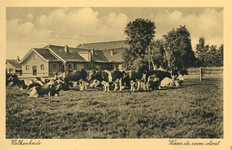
<point x="34" y="70"/>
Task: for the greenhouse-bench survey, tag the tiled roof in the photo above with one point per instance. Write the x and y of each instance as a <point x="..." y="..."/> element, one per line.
<point x="45" y="53"/>
<point x="71" y="55"/>
<point x="99" y="56"/>
<point x="14" y="63"/>
<point x="104" y="45"/>
<point x="117" y="55"/>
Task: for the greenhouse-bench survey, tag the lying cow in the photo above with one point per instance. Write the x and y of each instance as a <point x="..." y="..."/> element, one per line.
<point x="95" y="78"/>
<point x="154" y="78"/>
<point x="167" y="82"/>
<point x="51" y="88"/>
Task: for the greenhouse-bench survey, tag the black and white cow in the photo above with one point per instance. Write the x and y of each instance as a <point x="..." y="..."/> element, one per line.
<point x="133" y="78"/>
<point x="52" y="88"/>
<point x="154" y="78"/>
<point x="78" y="77"/>
<point x="114" y="77"/>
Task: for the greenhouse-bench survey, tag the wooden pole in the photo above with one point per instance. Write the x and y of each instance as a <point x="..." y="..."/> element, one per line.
<point x="201" y="76"/>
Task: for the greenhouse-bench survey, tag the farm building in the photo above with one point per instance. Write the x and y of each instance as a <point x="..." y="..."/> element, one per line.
<point x="13" y="66"/>
<point x="52" y="58"/>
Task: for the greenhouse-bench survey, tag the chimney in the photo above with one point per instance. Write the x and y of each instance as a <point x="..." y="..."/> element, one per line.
<point x="66" y="48"/>
<point x="18" y="59"/>
<point x="92" y="52"/>
<point x="112" y="52"/>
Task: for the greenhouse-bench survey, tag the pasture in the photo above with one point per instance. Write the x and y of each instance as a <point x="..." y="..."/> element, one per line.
<point x="194" y="110"/>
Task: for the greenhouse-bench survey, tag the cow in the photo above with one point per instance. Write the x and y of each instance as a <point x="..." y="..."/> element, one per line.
<point x="51" y="88"/>
<point x="95" y="78"/>
<point x="9" y="78"/>
<point x="114" y="77"/>
<point x="154" y="78"/>
<point x="28" y="83"/>
<point x="133" y="77"/>
<point x="167" y="82"/>
<point x="76" y="76"/>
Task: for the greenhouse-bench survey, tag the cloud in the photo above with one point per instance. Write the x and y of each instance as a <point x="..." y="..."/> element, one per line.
<point x="209" y="22"/>
<point x="30" y="17"/>
<point x="65" y="27"/>
<point x="72" y="26"/>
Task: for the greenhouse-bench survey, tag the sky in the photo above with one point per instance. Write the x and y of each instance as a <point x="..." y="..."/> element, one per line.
<point x="36" y="27"/>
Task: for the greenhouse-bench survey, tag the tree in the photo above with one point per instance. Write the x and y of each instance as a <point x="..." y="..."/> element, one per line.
<point x="158" y="56"/>
<point x="220" y="56"/>
<point x="139" y="35"/>
<point x="178" y="49"/>
<point x="201" y="51"/>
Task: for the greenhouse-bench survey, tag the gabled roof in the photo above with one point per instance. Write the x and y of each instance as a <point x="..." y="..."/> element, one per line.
<point x="117" y="54"/>
<point x="104" y="45"/>
<point x="14" y="63"/>
<point x="71" y="55"/>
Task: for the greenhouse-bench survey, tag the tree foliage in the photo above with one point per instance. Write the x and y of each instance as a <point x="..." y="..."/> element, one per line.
<point x="208" y="55"/>
<point x="139" y="35"/>
<point x="158" y="56"/>
<point x="178" y="49"/>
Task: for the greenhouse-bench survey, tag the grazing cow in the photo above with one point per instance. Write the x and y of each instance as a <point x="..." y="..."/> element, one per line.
<point x="76" y="76"/>
<point x="114" y="77"/>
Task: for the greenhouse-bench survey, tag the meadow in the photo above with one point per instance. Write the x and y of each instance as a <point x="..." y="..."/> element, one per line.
<point x="194" y="110"/>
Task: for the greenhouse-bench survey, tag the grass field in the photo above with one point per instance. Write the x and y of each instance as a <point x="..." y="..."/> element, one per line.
<point x="194" y="110"/>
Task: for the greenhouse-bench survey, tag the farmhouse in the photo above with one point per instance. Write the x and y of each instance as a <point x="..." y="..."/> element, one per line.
<point x="13" y="66"/>
<point x="52" y="58"/>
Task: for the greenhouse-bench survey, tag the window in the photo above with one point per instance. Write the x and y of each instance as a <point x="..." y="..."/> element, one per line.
<point x="42" y="67"/>
<point x="27" y="67"/>
<point x="54" y="66"/>
<point x="75" y="66"/>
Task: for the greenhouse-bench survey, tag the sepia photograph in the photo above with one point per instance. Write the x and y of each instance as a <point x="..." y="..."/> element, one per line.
<point x="119" y="73"/>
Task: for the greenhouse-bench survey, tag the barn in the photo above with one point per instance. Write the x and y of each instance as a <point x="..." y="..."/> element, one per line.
<point x="50" y="59"/>
<point x="112" y="51"/>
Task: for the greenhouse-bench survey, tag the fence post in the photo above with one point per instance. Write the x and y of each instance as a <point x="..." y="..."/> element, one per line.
<point x="201" y="75"/>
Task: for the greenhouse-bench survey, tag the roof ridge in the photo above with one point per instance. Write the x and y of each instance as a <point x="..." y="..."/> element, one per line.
<point x="103" y="42"/>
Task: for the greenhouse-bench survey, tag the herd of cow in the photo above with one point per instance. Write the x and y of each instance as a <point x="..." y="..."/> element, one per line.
<point x="134" y="80"/>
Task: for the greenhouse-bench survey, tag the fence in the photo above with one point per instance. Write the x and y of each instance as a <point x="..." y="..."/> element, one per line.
<point x="203" y="71"/>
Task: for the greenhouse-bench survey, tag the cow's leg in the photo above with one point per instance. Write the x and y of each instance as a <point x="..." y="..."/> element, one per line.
<point x="108" y="86"/>
<point x="81" y="87"/>
<point x="33" y="93"/>
<point x="131" y="84"/>
<point x="120" y="84"/>
<point x="105" y="87"/>
<point x="138" y="82"/>
<point x="115" y="86"/>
